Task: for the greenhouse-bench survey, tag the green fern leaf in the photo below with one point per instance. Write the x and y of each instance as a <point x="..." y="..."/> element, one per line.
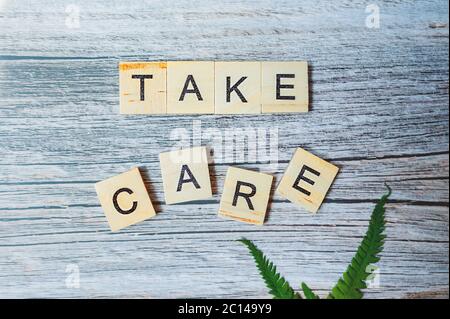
<point x="279" y="288"/>
<point x="309" y="294"/>
<point x="353" y="280"/>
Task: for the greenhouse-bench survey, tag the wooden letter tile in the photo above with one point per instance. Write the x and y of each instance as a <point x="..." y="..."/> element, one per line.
<point x="124" y="199"/>
<point x="185" y="175"/>
<point x="238" y="87"/>
<point x="142" y="87"/>
<point x="307" y="180"/>
<point x="245" y="196"/>
<point x="284" y="87"/>
<point x="190" y="87"/>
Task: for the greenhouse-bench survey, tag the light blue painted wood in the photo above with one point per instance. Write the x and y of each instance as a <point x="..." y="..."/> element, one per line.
<point x="379" y="111"/>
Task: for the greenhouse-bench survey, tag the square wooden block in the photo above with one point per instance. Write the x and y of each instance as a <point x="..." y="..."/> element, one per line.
<point x="124" y="199"/>
<point x="185" y="175"/>
<point x="238" y="87"/>
<point x="142" y="87"/>
<point x="190" y="87"/>
<point x="245" y="196"/>
<point x="307" y="180"/>
<point x="284" y="87"/>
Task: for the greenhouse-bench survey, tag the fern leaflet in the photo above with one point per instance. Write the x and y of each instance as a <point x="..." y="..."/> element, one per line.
<point x="353" y="280"/>
<point x="279" y="288"/>
<point x="309" y="294"/>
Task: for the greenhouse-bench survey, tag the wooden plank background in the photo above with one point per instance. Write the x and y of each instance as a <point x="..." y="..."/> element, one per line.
<point x="379" y="110"/>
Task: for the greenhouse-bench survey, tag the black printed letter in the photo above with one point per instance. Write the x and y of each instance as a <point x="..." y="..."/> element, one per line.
<point x="191" y="179"/>
<point x="142" y="78"/>
<point x="116" y="204"/>
<point x="190" y="79"/>
<point x="235" y="88"/>
<point x="284" y="86"/>
<point x="238" y="193"/>
<point x="304" y="178"/>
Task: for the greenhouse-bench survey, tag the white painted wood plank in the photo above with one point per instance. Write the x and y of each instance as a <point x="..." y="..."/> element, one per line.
<point x="191" y="243"/>
<point x="422" y="178"/>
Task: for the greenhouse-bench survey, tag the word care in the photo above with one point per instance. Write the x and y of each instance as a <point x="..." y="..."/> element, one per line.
<point x="186" y="177"/>
<point x="206" y="87"/>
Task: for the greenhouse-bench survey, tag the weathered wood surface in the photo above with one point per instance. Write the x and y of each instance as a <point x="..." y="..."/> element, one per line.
<point x="379" y="111"/>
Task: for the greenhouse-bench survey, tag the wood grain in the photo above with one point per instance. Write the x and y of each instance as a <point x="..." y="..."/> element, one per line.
<point x="379" y="110"/>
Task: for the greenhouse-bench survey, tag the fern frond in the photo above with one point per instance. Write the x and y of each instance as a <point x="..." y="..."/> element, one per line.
<point x="309" y="294"/>
<point x="279" y="288"/>
<point x="353" y="280"/>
